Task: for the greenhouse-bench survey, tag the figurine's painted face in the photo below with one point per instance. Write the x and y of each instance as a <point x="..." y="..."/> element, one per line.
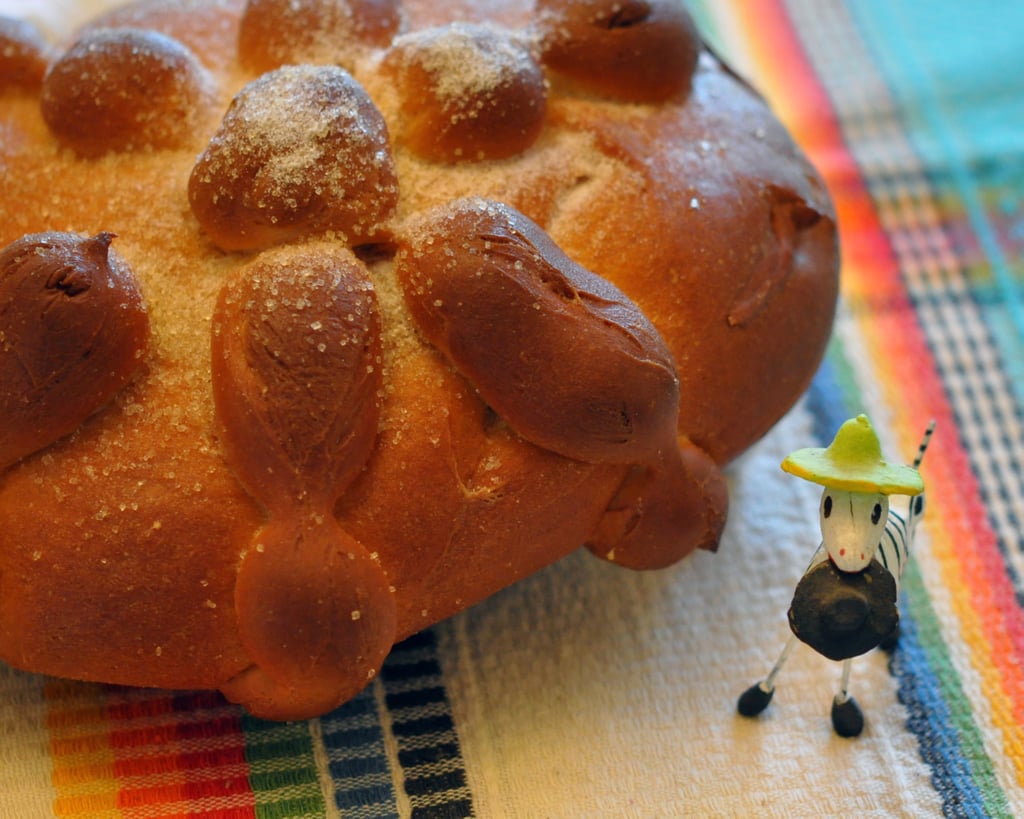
<point x="851" y="526"/>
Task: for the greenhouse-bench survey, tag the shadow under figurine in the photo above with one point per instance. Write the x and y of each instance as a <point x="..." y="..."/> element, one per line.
<point x="846" y="602"/>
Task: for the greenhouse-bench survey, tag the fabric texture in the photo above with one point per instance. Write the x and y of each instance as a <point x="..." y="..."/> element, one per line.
<point x="589" y="691"/>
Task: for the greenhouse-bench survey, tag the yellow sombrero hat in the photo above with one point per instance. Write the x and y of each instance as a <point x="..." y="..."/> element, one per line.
<point x="853" y="462"/>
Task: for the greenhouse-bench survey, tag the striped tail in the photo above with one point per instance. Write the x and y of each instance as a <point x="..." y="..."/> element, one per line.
<point x="894" y="547"/>
<point x="923" y="446"/>
<point x="917" y="503"/>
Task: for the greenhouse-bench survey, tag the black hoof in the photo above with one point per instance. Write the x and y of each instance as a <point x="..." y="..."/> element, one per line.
<point x="847" y="718"/>
<point x="754" y="700"/>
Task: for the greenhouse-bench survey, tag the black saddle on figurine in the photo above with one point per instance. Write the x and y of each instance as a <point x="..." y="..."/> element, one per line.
<point x="844" y="614"/>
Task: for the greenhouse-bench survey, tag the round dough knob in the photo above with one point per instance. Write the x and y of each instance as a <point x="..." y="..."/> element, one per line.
<point x="634" y="50"/>
<point x="125" y="90"/>
<point x="467" y="92"/>
<point x="302" y="150"/>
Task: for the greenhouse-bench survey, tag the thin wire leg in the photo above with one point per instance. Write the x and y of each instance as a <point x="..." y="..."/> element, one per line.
<point x="847" y="718"/>
<point x="844" y="685"/>
<point x="756" y="698"/>
<point x="768" y="683"/>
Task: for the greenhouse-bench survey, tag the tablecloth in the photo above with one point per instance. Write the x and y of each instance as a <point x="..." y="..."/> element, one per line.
<point x="589" y="691"/>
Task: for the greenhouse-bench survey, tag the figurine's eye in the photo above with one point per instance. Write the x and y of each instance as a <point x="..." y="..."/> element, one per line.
<point x="826" y="507"/>
<point x="876" y="513"/>
<point x="918" y="504"/>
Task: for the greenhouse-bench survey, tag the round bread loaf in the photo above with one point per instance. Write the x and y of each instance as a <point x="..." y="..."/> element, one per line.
<point x="322" y="320"/>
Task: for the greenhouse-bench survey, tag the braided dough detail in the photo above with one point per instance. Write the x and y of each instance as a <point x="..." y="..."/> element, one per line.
<point x="571" y="364"/>
<point x="663" y="510"/>
<point x="296" y="369"/>
<point x="296" y="375"/>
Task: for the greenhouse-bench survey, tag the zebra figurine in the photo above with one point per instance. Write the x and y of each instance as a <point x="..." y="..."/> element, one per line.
<point x="846" y="602"/>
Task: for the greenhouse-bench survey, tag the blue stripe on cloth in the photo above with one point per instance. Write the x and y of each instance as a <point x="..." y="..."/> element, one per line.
<point x="429" y="758"/>
<point x="357" y="760"/>
<point x="825" y="399"/>
<point x="927" y="698"/>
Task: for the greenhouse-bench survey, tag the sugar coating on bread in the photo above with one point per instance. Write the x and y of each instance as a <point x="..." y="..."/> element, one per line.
<point x="401" y="302"/>
<point x="301" y="150"/>
<point x="273" y="33"/>
<point x="123" y="90"/>
<point x="466" y="92"/>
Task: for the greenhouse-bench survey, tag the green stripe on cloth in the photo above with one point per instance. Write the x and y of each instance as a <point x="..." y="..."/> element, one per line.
<point x="282" y="769"/>
<point x="947" y="682"/>
<point x="844" y="377"/>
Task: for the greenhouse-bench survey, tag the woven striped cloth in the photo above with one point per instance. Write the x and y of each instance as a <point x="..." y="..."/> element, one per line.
<point x="588" y="691"/>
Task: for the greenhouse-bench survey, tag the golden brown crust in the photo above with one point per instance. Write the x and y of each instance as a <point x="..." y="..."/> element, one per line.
<point x="721" y="204"/>
<point x="336" y="432"/>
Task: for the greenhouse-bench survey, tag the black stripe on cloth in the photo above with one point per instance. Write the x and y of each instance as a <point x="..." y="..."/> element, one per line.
<point x="433" y="772"/>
